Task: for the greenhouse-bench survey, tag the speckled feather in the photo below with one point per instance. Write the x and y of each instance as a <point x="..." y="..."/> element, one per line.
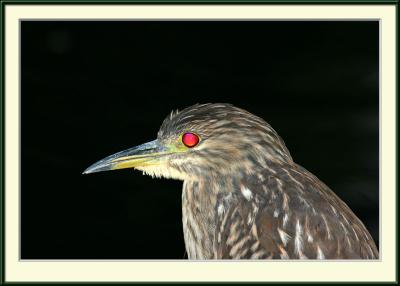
<point x="244" y="197"/>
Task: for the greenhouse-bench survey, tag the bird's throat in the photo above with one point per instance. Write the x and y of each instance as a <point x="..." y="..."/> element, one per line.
<point x="198" y="216"/>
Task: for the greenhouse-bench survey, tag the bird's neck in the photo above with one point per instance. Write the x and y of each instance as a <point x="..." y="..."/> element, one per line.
<point x="199" y="207"/>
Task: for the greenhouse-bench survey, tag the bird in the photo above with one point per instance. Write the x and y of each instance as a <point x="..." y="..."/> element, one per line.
<point x="243" y="196"/>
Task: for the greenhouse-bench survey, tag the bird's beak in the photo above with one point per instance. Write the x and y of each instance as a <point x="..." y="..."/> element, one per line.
<point x="139" y="156"/>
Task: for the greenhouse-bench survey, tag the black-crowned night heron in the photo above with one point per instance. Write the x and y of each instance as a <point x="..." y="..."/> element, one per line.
<point x="243" y="196"/>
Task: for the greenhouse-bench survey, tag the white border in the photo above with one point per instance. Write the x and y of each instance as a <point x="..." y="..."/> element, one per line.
<point x="382" y="270"/>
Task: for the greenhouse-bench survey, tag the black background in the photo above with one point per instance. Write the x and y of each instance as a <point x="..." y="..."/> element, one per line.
<point x="90" y="89"/>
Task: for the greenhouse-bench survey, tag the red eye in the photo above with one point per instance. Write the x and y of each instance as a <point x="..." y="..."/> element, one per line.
<point x="190" y="140"/>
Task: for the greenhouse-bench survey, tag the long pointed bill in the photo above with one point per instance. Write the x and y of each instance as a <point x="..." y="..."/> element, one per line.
<point x="143" y="155"/>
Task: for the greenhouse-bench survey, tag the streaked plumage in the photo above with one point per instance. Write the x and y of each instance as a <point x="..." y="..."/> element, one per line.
<point x="244" y="197"/>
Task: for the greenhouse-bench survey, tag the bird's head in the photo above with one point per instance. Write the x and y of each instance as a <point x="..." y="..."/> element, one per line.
<point x="201" y="141"/>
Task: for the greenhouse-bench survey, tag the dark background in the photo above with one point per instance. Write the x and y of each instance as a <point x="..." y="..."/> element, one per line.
<point x="90" y="89"/>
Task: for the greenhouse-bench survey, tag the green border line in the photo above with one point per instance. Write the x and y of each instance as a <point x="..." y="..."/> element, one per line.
<point x="396" y="138"/>
<point x="2" y="136"/>
<point x="206" y="2"/>
<point x="169" y="2"/>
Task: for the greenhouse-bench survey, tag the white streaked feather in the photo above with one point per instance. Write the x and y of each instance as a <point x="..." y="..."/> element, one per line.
<point x="246" y="193"/>
<point x="284" y="236"/>
<point x="320" y="254"/>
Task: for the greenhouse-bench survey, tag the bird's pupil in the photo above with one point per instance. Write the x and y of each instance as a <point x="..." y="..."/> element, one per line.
<point x="190" y="139"/>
